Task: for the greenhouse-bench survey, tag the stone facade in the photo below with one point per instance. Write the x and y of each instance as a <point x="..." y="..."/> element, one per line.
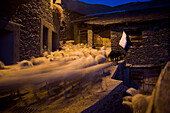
<point x="67" y="28"/>
<point x="9" y="42"/>
<point x="155" y="48"/>
<point x="115" y="37"/>
<point x="147" y="29"/>
<point x="144" y="78"/>
<point x="31" y="17"/>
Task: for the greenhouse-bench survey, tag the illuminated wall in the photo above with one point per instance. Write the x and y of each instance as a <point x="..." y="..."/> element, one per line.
<point x="31" y="17"/>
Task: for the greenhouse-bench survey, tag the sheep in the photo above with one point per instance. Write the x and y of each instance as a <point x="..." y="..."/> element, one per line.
<point x="79" y="54"/>
<point x="59" y="54"/>
<point x="132" y="91"/>
<point x="86" y="53"/>
<point x="50" y="58"/>
<point x="93" y="52"/>
<point x="25" y="64"/>
<point x="2" y="65"/>
<point x="89" y="61"/>
<point x="103" y="48"/>
<point x="127" y="98"/>
<point x="38" y="61"/>
<point x="140" y="103"/>
<point x="108" y="50"/>
<point x="100" y="59"/>
<point x="45" y="54"/>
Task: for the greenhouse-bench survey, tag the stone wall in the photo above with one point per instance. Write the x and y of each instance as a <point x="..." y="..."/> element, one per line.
<point x="155" y="48"/>
<point x="115" y="37"/>
<point x="67" y="29"/>
<point x="29" y="16"/>
<point x="145" y="78"/>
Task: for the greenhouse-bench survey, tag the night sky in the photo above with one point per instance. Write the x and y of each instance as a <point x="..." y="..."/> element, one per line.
<point x="111" y="2"/>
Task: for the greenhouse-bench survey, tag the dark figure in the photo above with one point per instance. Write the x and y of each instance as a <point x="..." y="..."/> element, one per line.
<point x="114" y="55"/>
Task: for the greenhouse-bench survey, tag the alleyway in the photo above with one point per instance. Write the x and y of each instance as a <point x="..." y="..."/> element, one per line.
<point x="58" y="86"/>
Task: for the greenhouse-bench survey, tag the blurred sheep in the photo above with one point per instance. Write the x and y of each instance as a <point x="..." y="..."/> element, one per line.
<point x="89" y="61"/>
<point x="132" y="91"/>
<point x="127" y="98"/>
<point x="100" y="59"/>
<point x="140" y="103"/>
<point x="25" y="64"/>
<point x="45" y="54"/>
<point x="2" y="65"/>
<point x="93" y="52"/>
<point x="102" y="52"/>
<point x="103" y="48"/>
<point x="137" y="103"/>
<point x="40" y="60"/>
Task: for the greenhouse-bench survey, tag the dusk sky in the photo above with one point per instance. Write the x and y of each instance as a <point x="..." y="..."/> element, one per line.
<point x="111" y="2"/>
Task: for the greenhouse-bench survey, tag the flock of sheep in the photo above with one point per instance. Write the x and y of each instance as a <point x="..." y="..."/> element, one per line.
<point x="82" y="56"/>
<point x="69" y="52"/>
<point x="72" y="52"/>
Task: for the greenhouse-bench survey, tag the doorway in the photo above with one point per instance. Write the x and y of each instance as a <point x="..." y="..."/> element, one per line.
<point x="54" y="41"/>
<point x="7" y="47"/>
<point x="45" y="38"/>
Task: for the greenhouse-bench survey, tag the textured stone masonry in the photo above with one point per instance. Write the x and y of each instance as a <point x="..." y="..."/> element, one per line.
<point x="29" y="17"/>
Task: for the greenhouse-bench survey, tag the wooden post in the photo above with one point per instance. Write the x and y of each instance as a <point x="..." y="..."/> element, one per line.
<point x="90" y="36"/>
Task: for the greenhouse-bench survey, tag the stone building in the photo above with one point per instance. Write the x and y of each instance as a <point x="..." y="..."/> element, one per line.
<point x="67" y="27"/>
<point x="27" y="28"/>
<point x="147" y="28"/>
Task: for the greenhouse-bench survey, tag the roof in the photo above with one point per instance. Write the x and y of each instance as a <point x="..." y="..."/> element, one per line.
<point x="136" y="15"/>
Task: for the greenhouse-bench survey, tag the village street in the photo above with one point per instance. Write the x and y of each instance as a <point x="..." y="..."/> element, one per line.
<point x="79" y="77"/>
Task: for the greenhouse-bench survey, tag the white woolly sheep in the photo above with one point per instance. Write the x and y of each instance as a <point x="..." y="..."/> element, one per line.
<point x="103" y="48"/>
<point x="132" y="91"/>
<point x="127" y="98"/>
<point x="2" y="65"/>
<point x="139" y="103"/>
<point x="89" y="61"/>
<point x="45" y="54"/>
<point x="100" y="59"/>
<point x="25" y="64"/>
<point x="40" y="60"/>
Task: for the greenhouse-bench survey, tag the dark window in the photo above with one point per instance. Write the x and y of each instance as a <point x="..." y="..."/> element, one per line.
<point x="54" y="1"/>
<point x="83" y="36"/>
<point x="54" y="41"/>
<point x="135" y="37"/>
<point x="6" y="47"/>
<point x="45" y="38"/>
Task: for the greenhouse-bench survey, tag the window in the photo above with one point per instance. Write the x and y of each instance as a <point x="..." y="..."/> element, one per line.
<point x="54" y="1"/>
<point x="6" y="47"/>
<point x="83" y="36"/>
<point x="135" y="37"/>
<point x="45" y="38"/>
<point x="54" y="41"/>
